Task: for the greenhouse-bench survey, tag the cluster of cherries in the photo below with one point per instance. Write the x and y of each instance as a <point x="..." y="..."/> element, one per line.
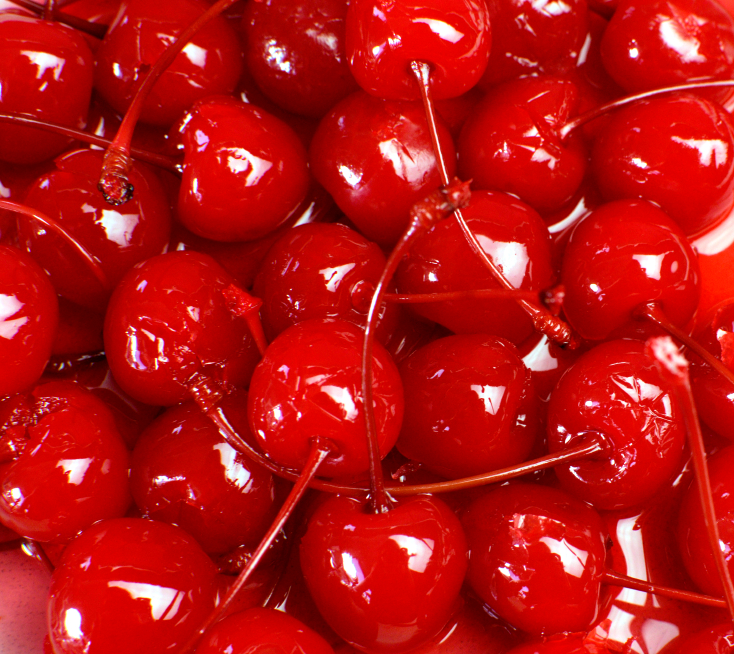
<point x="336" y="326"/>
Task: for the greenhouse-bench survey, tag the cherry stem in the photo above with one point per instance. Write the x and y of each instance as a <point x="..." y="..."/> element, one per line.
<point x="674" y="368"/>
<point x="583" y="119"/>
<point x="241" y="303"/>
<point x="320" y="450"/>
<point x="92" y="262"/>
<point x="653" y="312"/>
<point x="159" y="160"/>
<point x="488" y="293"/>
<point x="113" y="183"/>
<point x="93" y="29"/>
<point x="543" y="320"/>
<point x="34" y="550"/>
<point x="612" y="578"/>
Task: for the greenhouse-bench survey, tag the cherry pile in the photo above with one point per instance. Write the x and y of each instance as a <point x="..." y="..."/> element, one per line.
<point x="336" y="326"/>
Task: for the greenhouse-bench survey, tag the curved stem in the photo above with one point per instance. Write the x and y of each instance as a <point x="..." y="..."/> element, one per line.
<point x="93" y="29"/>
<point x="612" y="578"/>
<point x="493" y="293"/>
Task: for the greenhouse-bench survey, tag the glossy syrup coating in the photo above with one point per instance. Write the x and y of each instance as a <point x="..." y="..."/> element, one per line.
<point x="211" y="63"/>
<point x="245" y="171"/>
<point x="658" y="43"/>
<point x="384" y="582"/>
<point x="309" y="385"/>
<point x="621" y="256"/>
<point x="384" y="37"/>
<point x="376" y="160"/>
<point x="516" y="239"/>
<point x="129" y="585"/>
<point x="74" y="447"/>
<point x="45" y="72"/>
<point x="183" y="472"/>
<point x="470" y="406"/>
<point x="676" y="151"/>
<point x="257" y="629"/>
<point x="615" y="392"/>
<point x="29" y="314"/>
<point x="323" y="270"/>
<point x="536" y="556"/>
<point x="511" y="142"/>
<point x="169" y="320"/>
<point x="296" y="53"/>
<point x="117" y="237"/>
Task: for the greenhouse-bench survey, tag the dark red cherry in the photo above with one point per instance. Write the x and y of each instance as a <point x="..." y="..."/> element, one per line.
<point x="73" y="470"/>
<point x="389" y="581"/>
<point x="616" y="393"/>
<point x="676" y="151"/>
<point x="621" y="256"/>
<point x="169" y="320"/>
<point x="718" y="639"/>
<point x="79" y="331"/>
<point x="29" y="314"/>
<point x="658" y="43"/>
<point x="130" y="585"/>
<point x="245" y="171"/>
<point x="536" y="556"/>
<point x="321" y="271"/>
<point x="45" y="72"/>
<point x="516" y="239"/>
<point x="511" y="143"/>
<point x="258" y="629"/>
<point x="384" y="37"/>
<point x="470" y="406"/>
<point x="296" y="53"/>
<point x="309" y="385"/>
<point x="183" y="472"/>
<point x="117" y="237"/>
<point x="210" y="63"/>
<point x="376" y="160"/>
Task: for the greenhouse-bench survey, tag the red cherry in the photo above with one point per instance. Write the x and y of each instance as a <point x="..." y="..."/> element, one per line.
<point x="376" y="160"/>
<point x="616" y="392"/>
<point x="536" y="556"/>
<point x="210" y="63"/>
<point x="308" y="385"/>
<point x="718" y="639"/>
<point x="560" y="644"/>
<point x="168" y="321"/>
<point x="74" y="447"/>
<point x="129" y="585"/>
<point x="676" y="151"/>
<point x="470" y="406"/>
<point x="385" y="581"/>
<point x="28" y="319"/>
<point x="621" y="256"/>
<point x="516" y="239"/>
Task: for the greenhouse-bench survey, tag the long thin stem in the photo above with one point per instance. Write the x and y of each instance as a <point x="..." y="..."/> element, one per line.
<point x="485" y="293"/>
<point x="93" y="29"/>
<point x="612" y="578"/>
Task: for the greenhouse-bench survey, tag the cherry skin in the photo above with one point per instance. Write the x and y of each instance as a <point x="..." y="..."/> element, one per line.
<point x="309" y="74"/>
<point x="516" y="239"/>
<point x="621" y="256"/>
<point x="169" y="320"/>
<point x="376" y="160"/>
<point x="676" y="151"/>
<point x="383" y="38"/>
<point x="308" y="385"/>
<point x="74" y="447"/>
<point x="321" y="271"/>
<point x="46" y="73"/>
<point x="718" y="639"/>
<point x="29" y="314"/>
<point x="384" y="582"/>
<point x="615" y="392"/>
<point x="536" y="557"/>
<point x="210" y="64"/>
<point x="511" y="143"/>
<point x="245" y="171"/>
<point x="183" y="472"/>
<point x="249" y="632"/>
<point x="648" y="45"/>
<point x="129" y="585"/>
<point x="469" y="406"/>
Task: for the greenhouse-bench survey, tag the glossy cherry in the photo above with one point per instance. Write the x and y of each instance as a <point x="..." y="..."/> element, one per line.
<point x="129" y="585"/>
<point x="384" y="582"/>
<point x="537" y="557"/>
